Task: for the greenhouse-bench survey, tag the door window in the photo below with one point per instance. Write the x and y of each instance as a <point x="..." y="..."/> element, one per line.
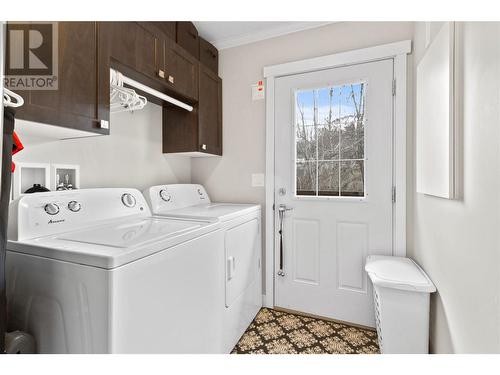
<point x="330" y="141"/>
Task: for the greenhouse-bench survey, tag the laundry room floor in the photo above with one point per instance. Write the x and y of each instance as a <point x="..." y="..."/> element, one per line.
<point x="278" y="332"/>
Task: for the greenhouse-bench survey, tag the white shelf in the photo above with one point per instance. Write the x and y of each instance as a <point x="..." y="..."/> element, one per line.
<point x="63" y="170"/>
<point x="28" y="174"/>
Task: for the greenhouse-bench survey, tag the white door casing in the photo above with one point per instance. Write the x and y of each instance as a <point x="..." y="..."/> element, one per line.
<point x="396" y="51"/>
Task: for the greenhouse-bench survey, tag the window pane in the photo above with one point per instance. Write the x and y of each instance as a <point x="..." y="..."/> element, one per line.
<point x="328" y="105"/>
<point x="306" y="178"/>
<point x="328" y="174"/>
<point x="329" y="136"/>
<point x="305" y="138"/>
<point x="328" y="142"/>
<point x="352" y="178"/>
<point x="304" y="108"/>
<point x="352" y="121"/>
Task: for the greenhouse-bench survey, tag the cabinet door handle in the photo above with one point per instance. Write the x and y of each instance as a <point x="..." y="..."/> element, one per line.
<point x="204" y="146"/>
<point x="171" y="79"/>
<point x="161" y="73"/>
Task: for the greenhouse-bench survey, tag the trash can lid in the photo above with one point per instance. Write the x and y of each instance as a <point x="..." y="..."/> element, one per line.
<point x="398" y="273"/>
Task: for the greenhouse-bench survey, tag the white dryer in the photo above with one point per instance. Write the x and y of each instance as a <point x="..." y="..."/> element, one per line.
<point x="241" y="225"/>
<point x="91" y="271"/>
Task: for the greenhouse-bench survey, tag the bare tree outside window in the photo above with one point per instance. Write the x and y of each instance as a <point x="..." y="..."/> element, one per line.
<point x="329" y="136"/>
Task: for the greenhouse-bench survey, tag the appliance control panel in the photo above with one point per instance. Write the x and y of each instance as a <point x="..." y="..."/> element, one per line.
<point x="50" y="213"/>
<point x="172" y="197"/>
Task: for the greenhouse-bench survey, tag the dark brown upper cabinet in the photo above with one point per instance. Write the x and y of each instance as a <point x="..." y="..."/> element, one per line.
<point x="141" y="48"/>
<point x="187" y="38"/>
<point x="75" y="103"/>
<point x="198" y="132"/>
<point x="209" y="56"/>
<point x="145" y="52"/>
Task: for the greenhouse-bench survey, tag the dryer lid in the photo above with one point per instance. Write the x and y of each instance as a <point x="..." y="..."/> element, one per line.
<point x="221" y="211"/>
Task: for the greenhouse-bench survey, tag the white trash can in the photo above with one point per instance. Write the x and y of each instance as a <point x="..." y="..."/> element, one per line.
<point x="401" y="292"/>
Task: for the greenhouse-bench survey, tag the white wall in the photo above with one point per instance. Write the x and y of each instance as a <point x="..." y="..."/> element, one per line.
<point x="457" y="242"/>
<point x="131" y="156"/>
<point x="229" y="178"/>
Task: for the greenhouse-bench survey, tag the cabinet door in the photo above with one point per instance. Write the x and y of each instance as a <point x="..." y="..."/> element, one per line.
<point x="180" y="130"/>
<point x="187" y="37"/>
<point x="210" y="112"/>
<point x="209" y="56"/>
<point x="74" y="103"/>
<point x="181" y="71"/>
<point x="131" y="45"/>
<point x="168" y="28"/>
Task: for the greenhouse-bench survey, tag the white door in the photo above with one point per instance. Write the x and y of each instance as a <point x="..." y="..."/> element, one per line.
<point x="333" y="174"/>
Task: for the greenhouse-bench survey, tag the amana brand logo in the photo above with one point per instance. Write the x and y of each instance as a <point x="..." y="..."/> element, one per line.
<point x="56" y="221"/>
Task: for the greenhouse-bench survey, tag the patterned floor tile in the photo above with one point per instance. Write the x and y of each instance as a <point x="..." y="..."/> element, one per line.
<point x="278" y="332"/>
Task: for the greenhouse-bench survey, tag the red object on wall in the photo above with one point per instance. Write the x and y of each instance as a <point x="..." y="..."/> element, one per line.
<point x="16" y="147"/>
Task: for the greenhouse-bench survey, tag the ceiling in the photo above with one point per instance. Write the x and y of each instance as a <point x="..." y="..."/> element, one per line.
<point x="231" y="34"/>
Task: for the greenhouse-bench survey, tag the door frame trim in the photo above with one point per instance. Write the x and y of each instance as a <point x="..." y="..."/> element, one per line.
<point x="397" y="51"/>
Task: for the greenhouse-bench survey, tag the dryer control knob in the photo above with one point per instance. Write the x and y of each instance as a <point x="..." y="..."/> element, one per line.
<point x="74" y="206"/>
<point x="128" y="200"/>
<point x="165" y="195"/>
<point x="51" y="208"/>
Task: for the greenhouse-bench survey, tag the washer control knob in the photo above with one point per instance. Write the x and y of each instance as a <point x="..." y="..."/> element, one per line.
<point x="165" y="195"/>
<point x="128" y="200"/>
<point x="51" y="208"/>
<point x="74" y="206"/>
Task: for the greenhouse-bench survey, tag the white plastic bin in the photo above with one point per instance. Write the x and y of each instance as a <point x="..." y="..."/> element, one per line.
<point x="401" y="292"/>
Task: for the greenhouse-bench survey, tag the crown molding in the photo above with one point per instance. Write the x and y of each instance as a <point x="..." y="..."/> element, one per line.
<point x="231" y="42"/>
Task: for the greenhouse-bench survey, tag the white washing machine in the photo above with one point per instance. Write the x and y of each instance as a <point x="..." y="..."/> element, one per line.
<point x="91" y="271"/>
<point x="241" y="225"/>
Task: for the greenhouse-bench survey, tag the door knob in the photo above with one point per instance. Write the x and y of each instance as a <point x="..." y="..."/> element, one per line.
<point x="283" y="208"/>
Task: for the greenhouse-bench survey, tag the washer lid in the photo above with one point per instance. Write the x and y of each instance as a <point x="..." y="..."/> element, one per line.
<point x="131" y="233"/>
<point x="398" y="273"/>
<point x="115" y="243"/>
<point x="221" y="211"/>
